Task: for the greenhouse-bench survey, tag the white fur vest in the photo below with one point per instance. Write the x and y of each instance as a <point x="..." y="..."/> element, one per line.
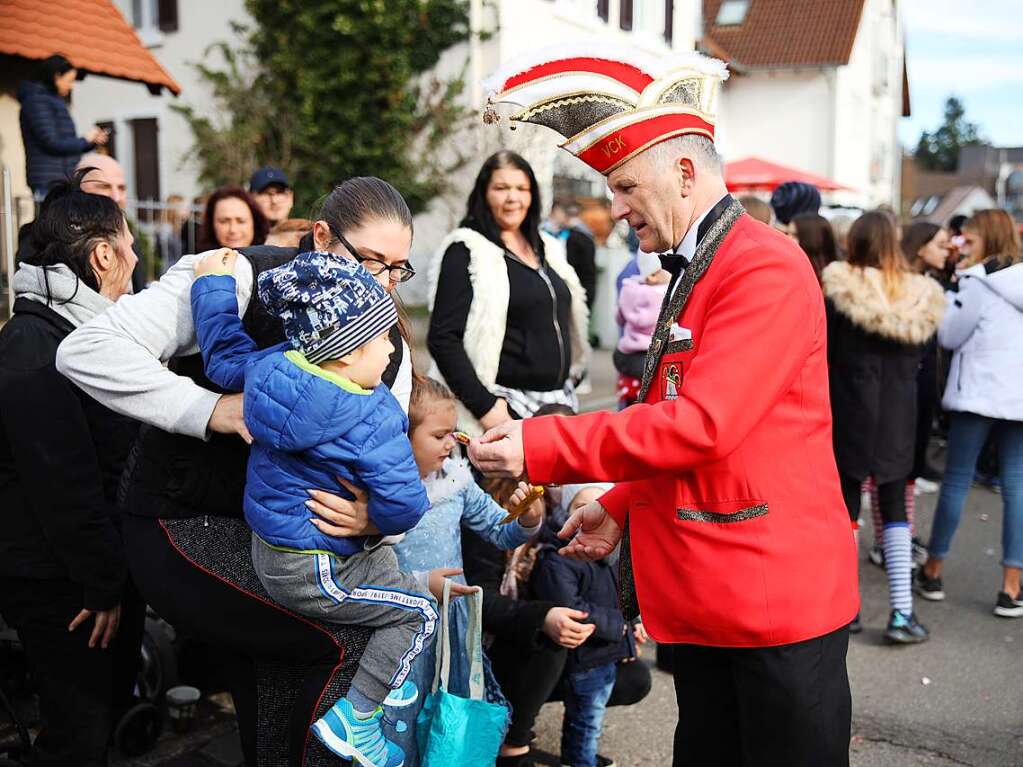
<point x="488" y="311"/>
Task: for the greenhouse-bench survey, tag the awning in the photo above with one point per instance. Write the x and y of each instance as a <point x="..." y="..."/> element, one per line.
<point x="755" y="174"/>
<point x="92" y="34"/>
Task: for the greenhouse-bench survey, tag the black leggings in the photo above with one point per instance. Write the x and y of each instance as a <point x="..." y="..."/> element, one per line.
<point x="281" y="667"/>
<point x="891" y="497"/>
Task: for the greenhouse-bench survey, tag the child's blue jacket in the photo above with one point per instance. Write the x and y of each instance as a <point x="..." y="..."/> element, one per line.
<point x="310" y="427"/>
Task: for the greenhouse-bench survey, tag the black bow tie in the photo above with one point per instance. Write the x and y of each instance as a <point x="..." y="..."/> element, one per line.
<point x="673" y="262"/>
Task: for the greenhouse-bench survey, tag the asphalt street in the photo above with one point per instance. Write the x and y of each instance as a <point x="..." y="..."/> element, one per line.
<point x="952" y="701"/>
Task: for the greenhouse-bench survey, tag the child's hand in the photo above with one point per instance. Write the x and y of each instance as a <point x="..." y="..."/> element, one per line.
<point x="437" y="578"/>
<point x="534" y="515"/>
<point x="218" y="262"/>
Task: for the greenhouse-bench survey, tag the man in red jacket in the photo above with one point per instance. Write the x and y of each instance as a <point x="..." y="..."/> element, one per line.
<point x="737" y="545"/>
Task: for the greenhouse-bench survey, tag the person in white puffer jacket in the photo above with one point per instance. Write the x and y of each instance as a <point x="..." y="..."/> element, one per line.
<point x="983" y="326"/>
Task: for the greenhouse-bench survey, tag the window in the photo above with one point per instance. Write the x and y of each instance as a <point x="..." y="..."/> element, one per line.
<point x="669" y="20"/>
<point x="625" y="18"/>
<point x="147" y="158"/>
<point x="151" y="17"/>
<point x="603" y="9"/>
<point x="732" y="12"/>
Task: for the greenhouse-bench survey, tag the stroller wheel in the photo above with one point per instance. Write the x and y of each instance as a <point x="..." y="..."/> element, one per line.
<point x="158" y="666"/>
<point x="138" y="730"/>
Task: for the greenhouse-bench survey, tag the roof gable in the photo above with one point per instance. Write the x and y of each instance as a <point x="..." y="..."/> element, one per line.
<point x="785" y="33"/>
<point x="92" y="34"/>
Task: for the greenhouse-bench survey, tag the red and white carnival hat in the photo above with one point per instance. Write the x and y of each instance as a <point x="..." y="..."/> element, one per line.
<point x="611" y="105"/>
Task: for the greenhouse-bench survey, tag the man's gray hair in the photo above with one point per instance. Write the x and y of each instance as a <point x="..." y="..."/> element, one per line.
<point x="699" y="149"/>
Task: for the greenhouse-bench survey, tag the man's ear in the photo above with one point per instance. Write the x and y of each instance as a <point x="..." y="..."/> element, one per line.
<point x="686" y="171"/>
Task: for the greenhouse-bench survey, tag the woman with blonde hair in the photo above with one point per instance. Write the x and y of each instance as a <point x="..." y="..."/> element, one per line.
<point x="982" y="326"/>
<point x="880" y="316"/>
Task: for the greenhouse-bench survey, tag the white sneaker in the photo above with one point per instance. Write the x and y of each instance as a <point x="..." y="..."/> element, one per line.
<point x="925" y="486"/>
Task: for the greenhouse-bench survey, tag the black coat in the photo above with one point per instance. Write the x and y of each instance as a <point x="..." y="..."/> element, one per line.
<point x="61" y="458"/>
<point x="52" y="145"/>
<point x="593" y="588"/>
<point x="536" y="354"/>
<point x="581" y="253"/>
<point x="874" y="354"/>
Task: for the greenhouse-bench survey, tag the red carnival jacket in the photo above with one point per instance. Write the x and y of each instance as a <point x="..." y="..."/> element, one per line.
<point x="739" y="533"/>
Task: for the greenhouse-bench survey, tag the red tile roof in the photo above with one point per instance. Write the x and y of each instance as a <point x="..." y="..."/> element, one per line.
<point x="785" y="33"/>
<point x="92" y="34"/>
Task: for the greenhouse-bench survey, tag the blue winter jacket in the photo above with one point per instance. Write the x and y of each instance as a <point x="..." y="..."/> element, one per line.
<point x="310" y="427"/>
<point x="52" y="146"/>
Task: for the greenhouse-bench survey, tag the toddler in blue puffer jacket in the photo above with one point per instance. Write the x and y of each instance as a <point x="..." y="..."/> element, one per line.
<point x="316" y="410"/>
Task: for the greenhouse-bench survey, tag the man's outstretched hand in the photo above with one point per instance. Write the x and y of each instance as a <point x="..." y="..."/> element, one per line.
<point x="596" y="533"/>
<point x="499" y="452"/>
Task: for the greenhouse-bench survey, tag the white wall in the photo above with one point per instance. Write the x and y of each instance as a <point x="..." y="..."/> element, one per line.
<point x="838" y="122"/>
<point x="868" y="107"/>
<point x="98" y="99"/>
<point x="779" y="116"/>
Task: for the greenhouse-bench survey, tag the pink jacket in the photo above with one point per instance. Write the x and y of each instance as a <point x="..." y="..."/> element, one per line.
<point x="638" y="307"/>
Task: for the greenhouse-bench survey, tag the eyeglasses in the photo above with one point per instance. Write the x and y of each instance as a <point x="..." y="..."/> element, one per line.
<point x="375" y="266"/>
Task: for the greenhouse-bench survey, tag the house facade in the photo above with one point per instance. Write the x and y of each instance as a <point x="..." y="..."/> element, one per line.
<point x="816" y="86"/>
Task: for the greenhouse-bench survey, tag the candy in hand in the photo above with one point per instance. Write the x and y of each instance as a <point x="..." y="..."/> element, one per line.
<point x="461" y="437"/>
<point x="535" y="492"/>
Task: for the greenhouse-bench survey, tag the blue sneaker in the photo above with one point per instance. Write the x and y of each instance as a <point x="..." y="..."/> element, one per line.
<point x="361" y="740"/>
<point x="405" y="695"/>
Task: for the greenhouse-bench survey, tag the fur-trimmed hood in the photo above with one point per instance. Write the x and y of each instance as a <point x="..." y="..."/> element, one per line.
<point x="858" y="293"/>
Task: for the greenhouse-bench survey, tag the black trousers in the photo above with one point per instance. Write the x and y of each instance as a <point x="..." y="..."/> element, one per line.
<point x="786" y="706"/>
<point x="891" y="497"/>
<point x="246" y="631"/>
<point x="528" y="676"/>
<point x="82" y="691"/>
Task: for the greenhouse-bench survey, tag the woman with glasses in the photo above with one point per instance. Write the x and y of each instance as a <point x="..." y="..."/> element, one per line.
<point x="188" y="546"/>
<point x="508" y="324"/>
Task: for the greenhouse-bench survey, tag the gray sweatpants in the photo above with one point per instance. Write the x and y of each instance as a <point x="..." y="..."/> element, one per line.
<point x="365" y="589"/>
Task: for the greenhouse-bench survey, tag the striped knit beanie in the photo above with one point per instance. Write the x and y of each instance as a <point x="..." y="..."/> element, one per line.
<point x="330" y="306"/>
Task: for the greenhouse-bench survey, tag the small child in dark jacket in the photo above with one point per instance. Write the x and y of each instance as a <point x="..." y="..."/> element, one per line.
<point x="590" y="671"/>
<point x="317" y="411"/>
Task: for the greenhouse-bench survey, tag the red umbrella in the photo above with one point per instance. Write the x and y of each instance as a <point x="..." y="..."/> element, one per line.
<point x="754" y="173"/>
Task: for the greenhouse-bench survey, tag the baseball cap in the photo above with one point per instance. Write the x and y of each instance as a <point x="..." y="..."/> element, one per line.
<point x="266" y="176"/>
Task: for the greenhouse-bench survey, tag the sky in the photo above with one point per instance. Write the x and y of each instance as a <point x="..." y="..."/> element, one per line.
<point x="974" y="50"/>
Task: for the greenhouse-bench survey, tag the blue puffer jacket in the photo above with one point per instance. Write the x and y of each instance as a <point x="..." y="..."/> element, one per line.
<point x="52" y="146"/>
<point x="310" y="427"/>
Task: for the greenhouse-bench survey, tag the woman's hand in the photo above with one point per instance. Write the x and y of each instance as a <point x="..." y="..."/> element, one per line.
<point x="97" y="136"/>
<point x="105" y="627"/>
<point x="339" y="517"/>
<point x="563" y="627"/>
<point x="497" y="415"/>
<point x="532" y="517"/>
<point x="229" y="417"/>
<point x="437" y="578"/>
<point x="218" y="262"/>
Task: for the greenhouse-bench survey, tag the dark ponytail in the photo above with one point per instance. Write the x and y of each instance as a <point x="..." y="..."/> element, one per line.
<point x="354" y="203"/>
<point x="70" y="225"/>
<point x="50" y="68"/>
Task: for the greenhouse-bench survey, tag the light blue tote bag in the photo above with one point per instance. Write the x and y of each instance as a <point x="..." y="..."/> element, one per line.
<point x="453" y="731"/>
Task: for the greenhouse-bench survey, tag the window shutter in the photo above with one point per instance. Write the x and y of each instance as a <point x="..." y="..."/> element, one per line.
<point x="167" y="11"/>
<point x="625" y="21"/>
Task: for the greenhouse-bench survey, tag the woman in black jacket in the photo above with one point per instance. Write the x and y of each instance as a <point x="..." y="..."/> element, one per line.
<point x="880" y="316"/>
<point x="52" y="145"/>
<point x="63" y="578"/>
<point x="508" y="329"/>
